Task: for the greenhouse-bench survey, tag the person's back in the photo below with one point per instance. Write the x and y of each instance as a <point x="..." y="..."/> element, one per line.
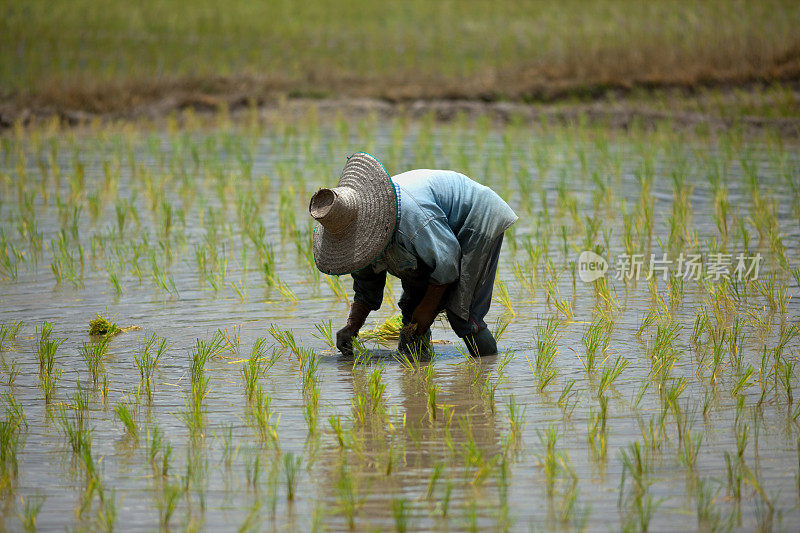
<point x="470" y="209"/>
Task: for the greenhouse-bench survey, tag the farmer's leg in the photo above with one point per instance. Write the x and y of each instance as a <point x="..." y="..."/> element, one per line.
<point x="410" y="344"/>
<point x="410" y="299"/>
<point x="474" y="332"/>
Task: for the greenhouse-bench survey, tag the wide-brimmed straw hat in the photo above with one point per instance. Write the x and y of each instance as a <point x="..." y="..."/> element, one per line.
<point x="356" y="218"/>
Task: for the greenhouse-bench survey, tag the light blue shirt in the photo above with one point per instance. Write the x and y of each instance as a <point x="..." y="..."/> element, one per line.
<point x="446" y="226"/>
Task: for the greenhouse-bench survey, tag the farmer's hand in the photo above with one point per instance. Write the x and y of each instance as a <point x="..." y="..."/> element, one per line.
<point x="344" y="337"/>
<point x="428" y="308"/>
<point x="344" y="340"/>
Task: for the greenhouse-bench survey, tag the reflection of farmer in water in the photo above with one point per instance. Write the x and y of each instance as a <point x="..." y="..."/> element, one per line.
<point x="436" y="230"/>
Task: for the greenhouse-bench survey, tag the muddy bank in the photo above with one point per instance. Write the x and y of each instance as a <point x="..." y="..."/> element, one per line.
<point x="747" y="108"/>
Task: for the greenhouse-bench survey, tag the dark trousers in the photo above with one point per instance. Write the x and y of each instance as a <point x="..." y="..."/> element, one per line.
<point x="481" y="298"/>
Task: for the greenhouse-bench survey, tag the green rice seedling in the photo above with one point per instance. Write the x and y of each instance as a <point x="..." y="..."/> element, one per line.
<point x="596" y="339"/>
<point x="240" y="289"/>
<point x="389" y="330"/>
<point x="255" y="368"/>
<point x="229" y="340"/>
<point x="343" y="438"/>
<point x="194" y="414"/>
<point x="562" y="305"/>
<point x="7" y="334"/>
<point x="336" y="286"/>
<point x="291" y="465"/>
<point x="502" y="297"/>
<point x="93" y="354"/>
<point x="325" y="333"/>
<point x="742" y="381"/>
<point x="78" y="437"/>
<point x="203" y="352"/>
<point x="431" y="392"/>
<point x="649" y="319"/>
<point x="309" y="365"/>
<point x="49" y="376"/>
<point x="147" y="359"/>
<point x="284" y="337"/>
<point x="11" y="370"/>
<point x="127" y="417"/>
<point x="545" y="370"/>
<point x="610" y="374"/>
<point x="30" y="511"/>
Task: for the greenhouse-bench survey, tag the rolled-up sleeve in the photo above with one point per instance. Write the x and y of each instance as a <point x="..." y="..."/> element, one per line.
<point x="437" y="246"/>
<point x="368" y="287"/>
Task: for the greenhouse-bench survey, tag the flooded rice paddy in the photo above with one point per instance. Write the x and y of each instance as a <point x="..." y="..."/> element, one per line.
<point x="624" y="402"/>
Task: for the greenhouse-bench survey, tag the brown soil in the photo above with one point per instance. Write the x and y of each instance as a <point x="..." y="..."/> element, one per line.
<point x="616" y="107"/>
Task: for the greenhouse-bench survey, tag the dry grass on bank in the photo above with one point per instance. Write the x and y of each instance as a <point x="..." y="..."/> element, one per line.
<point x="109" y="56"/>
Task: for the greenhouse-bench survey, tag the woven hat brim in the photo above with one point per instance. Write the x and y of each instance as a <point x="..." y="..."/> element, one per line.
<point x="371" y="230"/>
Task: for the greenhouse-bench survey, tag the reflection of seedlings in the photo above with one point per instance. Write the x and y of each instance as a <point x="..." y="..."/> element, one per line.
<point x="264" y="417"/>
<point x="291" y="465"/>
<point x="568" y="399"/>
<point x="11" y="441"/>
<point x="689" y="449"/>
<point x="597" y="429"/>
<point x="171" y="493"/>
<point x="516" y="420"/>
<point x="311" y="410"/>
<point x="549" y="457"/>
<point x="708" y="517"/>
<point x="634" y="495"/>
<point x="30" y="511"/>
<point x="400" y="514"/>
<point x="348" y="499"/>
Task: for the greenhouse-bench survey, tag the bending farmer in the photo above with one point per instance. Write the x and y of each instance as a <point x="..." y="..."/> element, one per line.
<point x="436" y="230"/>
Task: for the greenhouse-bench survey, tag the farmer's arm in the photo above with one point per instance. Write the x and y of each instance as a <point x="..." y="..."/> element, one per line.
<point x="436" y="245"/>
<point x="368" y="288"/>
